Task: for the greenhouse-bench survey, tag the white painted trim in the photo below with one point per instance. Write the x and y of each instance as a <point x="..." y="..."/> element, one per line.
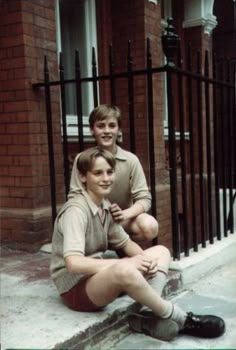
<point x="89" y="9"/>
<point x="199" y="13"/>
<point x="153" y="1"/>
<point x="58" y="28"/>
<point x="91" y="38"/>
<point x="208" y="23"/>
<point x="177" y="134"/>
<point x="72" y="129"/>
<point x="167" y="14"/>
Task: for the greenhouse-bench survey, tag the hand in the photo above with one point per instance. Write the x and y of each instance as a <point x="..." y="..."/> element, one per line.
<point x="117" y="213"/>
<point x="152" y="271"/>
<point x="141" y="262"/>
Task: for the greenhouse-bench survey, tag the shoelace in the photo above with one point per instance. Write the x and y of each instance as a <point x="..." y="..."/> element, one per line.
<point x="193" y="321"/>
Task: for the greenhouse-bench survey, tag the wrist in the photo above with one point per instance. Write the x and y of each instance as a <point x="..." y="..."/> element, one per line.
<point x="126" y="214"/>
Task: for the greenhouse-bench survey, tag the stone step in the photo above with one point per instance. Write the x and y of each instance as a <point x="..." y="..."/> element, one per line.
<point x="115" y="325"/>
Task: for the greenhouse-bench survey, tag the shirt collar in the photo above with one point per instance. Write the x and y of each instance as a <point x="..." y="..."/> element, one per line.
<point x="120" y="154"/>
<point x="93" y="206"/>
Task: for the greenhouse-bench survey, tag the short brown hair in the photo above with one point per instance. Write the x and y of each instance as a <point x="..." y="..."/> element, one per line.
<point x="87" y="157"/>
<point x="104" y="111"/>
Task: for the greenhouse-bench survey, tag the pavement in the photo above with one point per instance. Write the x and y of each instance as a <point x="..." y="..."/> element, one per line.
<point x="33" y="316"/>
<point x="214" y="294"/>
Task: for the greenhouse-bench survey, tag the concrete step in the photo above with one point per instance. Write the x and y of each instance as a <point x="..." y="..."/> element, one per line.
<point x="34" y="317"/>
<point x="115" y="324"/>
<point x="32" y="306"/>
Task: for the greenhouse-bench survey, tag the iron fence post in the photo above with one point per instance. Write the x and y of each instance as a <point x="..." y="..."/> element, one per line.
<point x="170" y="44"/>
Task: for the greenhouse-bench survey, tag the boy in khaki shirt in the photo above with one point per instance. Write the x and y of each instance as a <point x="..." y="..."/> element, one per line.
<point x="84" y="229"/>
<point x="130" y="197"/>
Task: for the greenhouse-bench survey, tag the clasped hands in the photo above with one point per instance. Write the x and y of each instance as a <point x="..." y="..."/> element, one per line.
<point x="147" y="265"/>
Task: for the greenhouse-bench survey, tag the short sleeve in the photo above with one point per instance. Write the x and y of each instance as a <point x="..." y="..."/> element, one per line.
<point x="73" y="226"/>
<point x="117" y="237"/>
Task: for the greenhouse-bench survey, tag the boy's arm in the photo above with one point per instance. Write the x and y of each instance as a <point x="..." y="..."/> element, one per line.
<point x="87" y="265"/>
<point x="132" y="249"/>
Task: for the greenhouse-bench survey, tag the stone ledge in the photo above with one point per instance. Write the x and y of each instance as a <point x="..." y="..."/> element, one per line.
<point x="206" y="259"/>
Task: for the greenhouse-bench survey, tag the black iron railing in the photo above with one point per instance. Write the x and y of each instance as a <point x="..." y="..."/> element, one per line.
<point x="201" y="106"/>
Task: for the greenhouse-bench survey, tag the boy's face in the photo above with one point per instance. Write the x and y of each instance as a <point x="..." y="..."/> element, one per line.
<point x="99" y="180"/>
<point x="106" y="132"/>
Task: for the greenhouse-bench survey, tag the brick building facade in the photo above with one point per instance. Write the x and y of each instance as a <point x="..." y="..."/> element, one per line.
<point x="27" y="33"/>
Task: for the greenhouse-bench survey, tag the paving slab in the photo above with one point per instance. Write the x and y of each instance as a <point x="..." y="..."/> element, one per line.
<point x="34" y="317"/>
<point x="213" y="294"/>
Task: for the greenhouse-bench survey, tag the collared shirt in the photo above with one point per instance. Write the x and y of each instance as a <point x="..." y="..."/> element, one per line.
<point x="78" y="231"/>
<point x="130" y="185"/>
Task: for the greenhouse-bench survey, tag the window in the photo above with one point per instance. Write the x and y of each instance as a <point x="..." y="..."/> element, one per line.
<point x="76" y="30"/>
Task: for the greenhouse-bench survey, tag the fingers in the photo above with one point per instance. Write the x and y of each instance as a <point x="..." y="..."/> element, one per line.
<point x="116" y="212"/>
<point x="114" y="208"/>
<point x="145" y="264"/>
<point x="117" y="216"/>
<point x="152" y="271"/>
<point x="153" y="267"/>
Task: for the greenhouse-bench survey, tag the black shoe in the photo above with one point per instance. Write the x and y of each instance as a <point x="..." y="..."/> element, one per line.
<point x="148" y="323"/>
<point x="207" y="326"/>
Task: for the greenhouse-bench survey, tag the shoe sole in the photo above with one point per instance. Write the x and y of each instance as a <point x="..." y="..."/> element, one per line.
<point x="158" y="328"/>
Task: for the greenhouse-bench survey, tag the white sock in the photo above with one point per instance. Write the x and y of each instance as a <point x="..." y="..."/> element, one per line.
<point x="158" y="282"/>
<point x="178" y="315"/>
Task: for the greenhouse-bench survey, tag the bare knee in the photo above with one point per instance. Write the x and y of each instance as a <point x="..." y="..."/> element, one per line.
<point x="148" y="226"/>
<point x="163" y="251"/>
<point x="160" y="252"/>
<point x="125" y="274"/>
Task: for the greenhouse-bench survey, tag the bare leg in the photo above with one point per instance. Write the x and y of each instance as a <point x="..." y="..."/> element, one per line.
<point x="106" y="285"/>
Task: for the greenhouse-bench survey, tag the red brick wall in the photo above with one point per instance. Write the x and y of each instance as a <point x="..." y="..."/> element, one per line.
<point x="27" y="33"/>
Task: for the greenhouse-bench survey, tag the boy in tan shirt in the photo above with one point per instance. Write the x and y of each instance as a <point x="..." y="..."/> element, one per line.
<point x="84" y="230"/>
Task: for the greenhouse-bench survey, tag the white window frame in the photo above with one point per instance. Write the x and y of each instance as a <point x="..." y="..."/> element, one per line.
<point x="91" y="41"/>
<point x="167" y="13"/>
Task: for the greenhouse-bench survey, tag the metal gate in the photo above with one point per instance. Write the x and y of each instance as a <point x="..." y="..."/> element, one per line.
<point x="201" y="129"/>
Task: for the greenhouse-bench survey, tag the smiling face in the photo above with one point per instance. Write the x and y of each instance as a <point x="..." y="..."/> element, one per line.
<point x="106" y="132"/>
<point x="99" y="179"/>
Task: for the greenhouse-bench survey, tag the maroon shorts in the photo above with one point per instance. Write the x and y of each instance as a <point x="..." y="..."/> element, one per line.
<point x="77" y="298"/>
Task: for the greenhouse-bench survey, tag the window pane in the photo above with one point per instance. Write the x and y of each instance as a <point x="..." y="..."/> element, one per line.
<point x="78" y="32"/>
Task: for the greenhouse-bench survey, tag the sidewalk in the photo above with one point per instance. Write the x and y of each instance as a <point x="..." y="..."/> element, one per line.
<point x="33" y="316"/>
